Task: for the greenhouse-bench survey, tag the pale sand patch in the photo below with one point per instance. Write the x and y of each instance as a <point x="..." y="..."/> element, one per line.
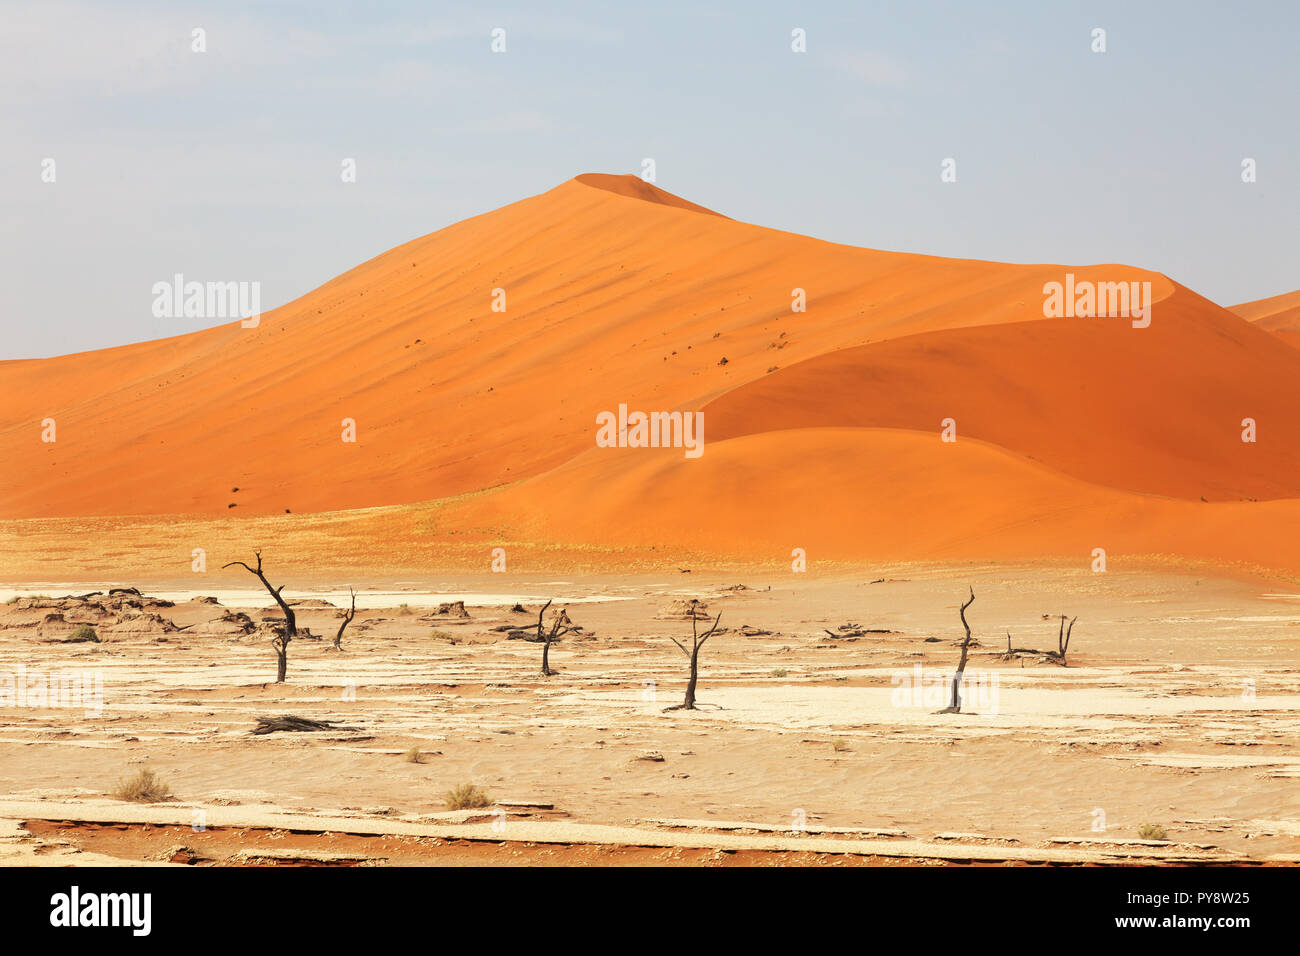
<point x="1210" y="761"/>
<point x="811" y="708"/>
<point x="807" y="723"/>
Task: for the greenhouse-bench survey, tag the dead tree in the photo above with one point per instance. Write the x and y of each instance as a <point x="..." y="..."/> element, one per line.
<point x="955" y="706"/>
<point x="1058" y="655"/>
<point x="559" y="627"/>
<point x="697" y="642"/>
<point x="347" y="619"/>
<point x="281" y="641"/>
<point x="1063" y="638"/>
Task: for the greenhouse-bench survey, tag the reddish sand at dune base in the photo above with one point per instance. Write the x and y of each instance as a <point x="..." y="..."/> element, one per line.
<point x="822" y="426"/>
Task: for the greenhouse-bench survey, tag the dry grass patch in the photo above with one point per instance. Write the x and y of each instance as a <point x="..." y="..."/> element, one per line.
<point x="145" y="787"/>
<point x="467" y="796"/>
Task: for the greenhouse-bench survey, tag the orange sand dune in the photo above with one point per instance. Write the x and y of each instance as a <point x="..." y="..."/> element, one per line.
<point x="825" y="420"/>
<point x="1278" y="313"/>
<point x="1156" y="410"/>
<point x="610" y="299"/>
<point x="865" y="494"/>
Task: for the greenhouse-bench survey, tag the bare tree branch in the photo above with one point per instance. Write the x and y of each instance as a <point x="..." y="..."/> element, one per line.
<point x="347" y="619"/>
<point x="280" y="642"/>
<point x="954" y="707"/>
<point x="697" y="642"/>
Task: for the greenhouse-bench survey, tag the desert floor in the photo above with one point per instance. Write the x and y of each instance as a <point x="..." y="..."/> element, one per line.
<point x="1179" y="707"/>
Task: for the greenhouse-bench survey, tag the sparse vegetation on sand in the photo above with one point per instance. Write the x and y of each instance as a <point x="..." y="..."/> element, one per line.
<point x="467" y="796"/>
<point x="414" y="755"/>
<point x="84" y="633"/>
<point x="1152" y="831"/>
<point x="145" y="787"/>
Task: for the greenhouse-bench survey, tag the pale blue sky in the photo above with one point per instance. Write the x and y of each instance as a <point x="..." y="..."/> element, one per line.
<point x="225" y="165"/>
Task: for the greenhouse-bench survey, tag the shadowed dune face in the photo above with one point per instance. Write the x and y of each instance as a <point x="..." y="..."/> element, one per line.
<point x="1156" y="410"/>
<point x="1279" y="314"/>
<point x="634" y="187"/>
<point x="615" y="292"/>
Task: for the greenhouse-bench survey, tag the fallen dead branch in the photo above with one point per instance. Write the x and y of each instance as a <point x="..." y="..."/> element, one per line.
<point x="290" y="724"/>
<point x="1051" y="657"/>
<point x="855" y="630"/>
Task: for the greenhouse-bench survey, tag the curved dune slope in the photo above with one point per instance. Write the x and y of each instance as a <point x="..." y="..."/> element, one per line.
<point x="1278" y="313"/>
<point x="822" y="426"/>
<point x="870" y="495"/>
<point x="1156" y="410"/>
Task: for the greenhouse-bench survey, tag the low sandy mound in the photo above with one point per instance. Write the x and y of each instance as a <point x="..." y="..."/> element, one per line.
<point x="683" y="610"/>
<point x="124" y="611"/>
<point x="1278" y="313"/>
<point x="137" y="623"/>
<point x="1157" y="410"/>
<point x="54" y="624"/>
<point x="230" y="624"/>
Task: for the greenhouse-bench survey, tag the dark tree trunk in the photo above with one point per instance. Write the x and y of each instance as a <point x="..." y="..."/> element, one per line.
<point x="281" y="643"/>
<point x="693" y="655"/>
<point x="690" y="685"/>
<point x="955" y="706"/>
<point x="347" y="619"/>
<point x="1063" y="639"/>
<point x="559" y="627"/>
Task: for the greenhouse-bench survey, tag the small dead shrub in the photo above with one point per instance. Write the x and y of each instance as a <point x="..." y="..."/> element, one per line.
<point x="467" y="796"/>
<point x="144" y="787"/>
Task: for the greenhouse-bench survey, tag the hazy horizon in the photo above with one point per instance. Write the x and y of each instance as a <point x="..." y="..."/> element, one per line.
<point x="225" y="165"/>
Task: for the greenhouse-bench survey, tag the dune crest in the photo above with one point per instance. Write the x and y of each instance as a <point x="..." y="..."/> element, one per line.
<point x="1278" y="313"/>
<point x="634" y="187"/>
